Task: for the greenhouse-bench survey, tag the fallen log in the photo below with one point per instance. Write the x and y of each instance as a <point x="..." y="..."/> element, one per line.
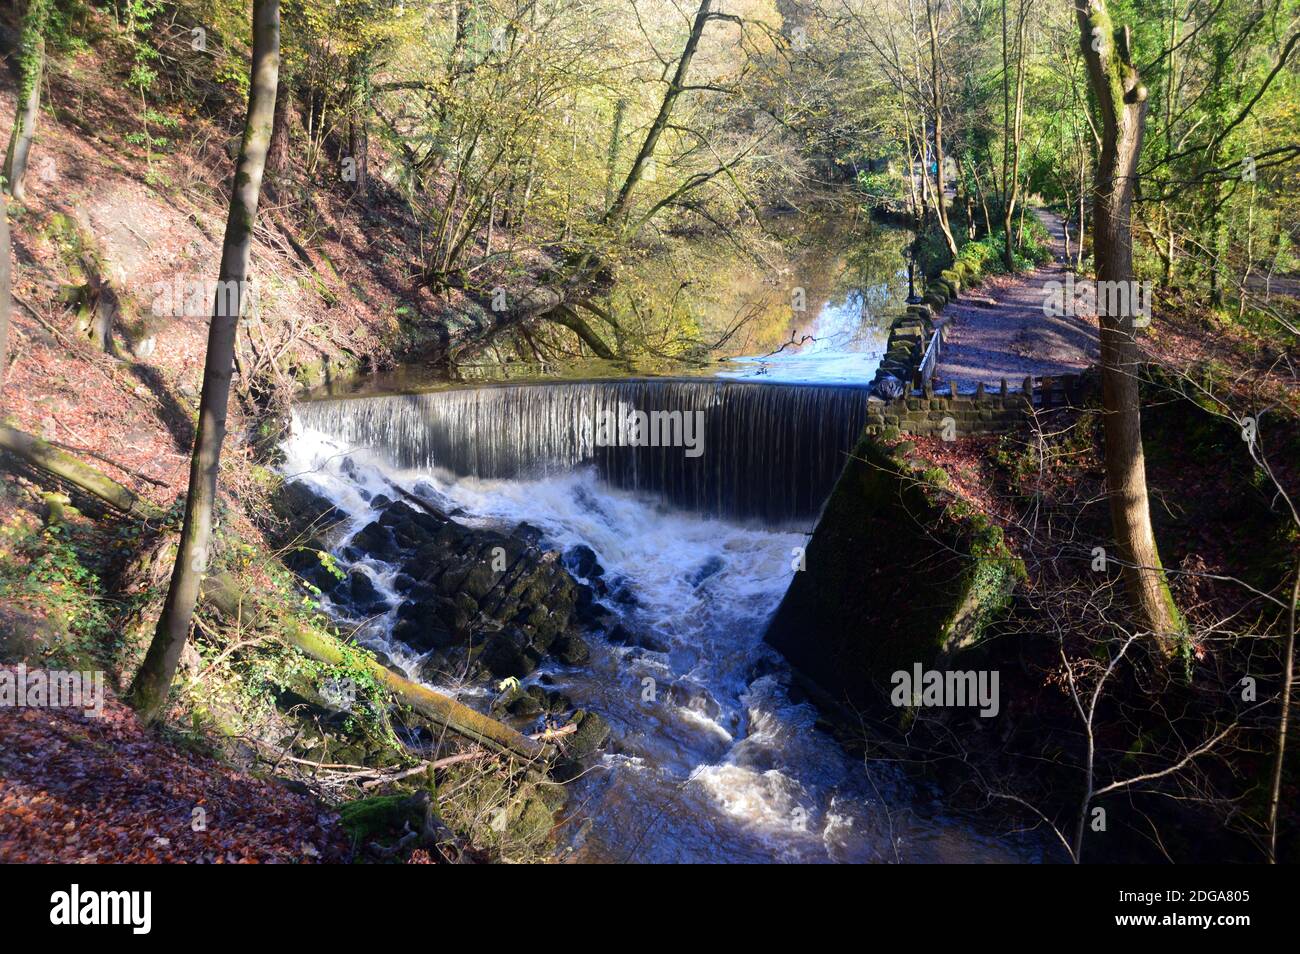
<point x="50" y="459"/>
<point x="221" y="592"/>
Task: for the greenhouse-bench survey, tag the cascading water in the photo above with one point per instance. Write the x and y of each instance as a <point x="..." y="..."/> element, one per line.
<point x="711" y="759"/>
<point x="767" y="452"/>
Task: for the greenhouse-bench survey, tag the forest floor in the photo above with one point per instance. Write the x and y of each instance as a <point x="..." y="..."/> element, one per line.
<point x="999" y="331"/>
<point x="78" y="789"/>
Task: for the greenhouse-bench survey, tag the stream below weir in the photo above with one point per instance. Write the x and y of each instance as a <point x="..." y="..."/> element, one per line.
<point x="713" y="756"/>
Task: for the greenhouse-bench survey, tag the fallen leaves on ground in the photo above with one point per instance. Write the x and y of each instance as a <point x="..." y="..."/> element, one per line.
<point x="86" y="789"/>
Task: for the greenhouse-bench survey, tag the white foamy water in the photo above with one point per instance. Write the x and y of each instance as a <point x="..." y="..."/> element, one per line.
<point x="713" y="760"/>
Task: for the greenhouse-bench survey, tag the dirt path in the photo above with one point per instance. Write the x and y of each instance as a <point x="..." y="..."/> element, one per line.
<point x="1014" y="338"/>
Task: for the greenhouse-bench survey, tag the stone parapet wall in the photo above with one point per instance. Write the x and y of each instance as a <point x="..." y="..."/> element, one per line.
<point x="950" y="412"/>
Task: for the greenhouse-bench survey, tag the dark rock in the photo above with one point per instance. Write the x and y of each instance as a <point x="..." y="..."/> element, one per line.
<point x="593" y="732"/>
<point x="552" y="702"/>
<point x="411" y="528"/>
<point x="524" y="705"/>
<point x="623" y="636"/>
<point x="620" y="591"/>
<point x="433" y="668"/>
<point x="571" y="650"/>
<point x="456" y="580"/>
<point x="303" y="509"/>
<point x="305" y="519"/>
<point x="438" y="612"/>
<point x="366" y="599"/>
<point x="376" y="541"/>
<point x="582" y="561"/>
<point x="620" y="635"/>
<point x="505" y="654"/>
<point x="711" y="567"/>
<point x="423" y="626"/>
<point x="651" y="643"/>
<point x="380" y="501"/>
<point x="306" y="562"/>
<point x="528" y="534"/>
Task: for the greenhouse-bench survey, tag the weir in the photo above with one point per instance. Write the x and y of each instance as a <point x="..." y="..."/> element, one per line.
<point x="766" y="451"/>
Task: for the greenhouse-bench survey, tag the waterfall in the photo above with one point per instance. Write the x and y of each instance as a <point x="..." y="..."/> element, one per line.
<point x="766" y="451"/>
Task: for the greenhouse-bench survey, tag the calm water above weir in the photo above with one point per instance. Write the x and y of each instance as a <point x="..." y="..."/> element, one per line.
<point x="712" y="757"/>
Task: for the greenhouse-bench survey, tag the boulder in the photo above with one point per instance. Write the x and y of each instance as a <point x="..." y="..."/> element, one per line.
<point x="593" y="732"/>
<point x="374" y="540"/>
<point x="582" y="561"/>
<point x="365" y="598"/>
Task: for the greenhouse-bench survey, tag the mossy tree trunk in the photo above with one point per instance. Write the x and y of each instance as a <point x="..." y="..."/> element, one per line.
<point x="1122" y="102"/>
<point x="31" y="65"/>
<point x="63" y="465"/>
<point x="152" y="682"/>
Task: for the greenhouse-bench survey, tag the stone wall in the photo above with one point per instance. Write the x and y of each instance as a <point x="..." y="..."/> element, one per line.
<point x="898" y="571"/>
<point x="928" y="412"/>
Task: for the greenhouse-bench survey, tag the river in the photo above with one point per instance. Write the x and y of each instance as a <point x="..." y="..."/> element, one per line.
<point x="713" y="755"/>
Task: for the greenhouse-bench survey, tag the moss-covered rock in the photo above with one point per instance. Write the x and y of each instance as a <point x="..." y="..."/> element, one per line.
<point x="898" y="572"/>
<point x="593" y="731"/>
<point x="380" y="816"/>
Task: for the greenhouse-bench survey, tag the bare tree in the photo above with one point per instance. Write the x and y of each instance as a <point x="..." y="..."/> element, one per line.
<point x="645" y="155"/>
<point x="1012" y="122"/>
<point x="152" y="682"/>
<point x="937" y="105"/>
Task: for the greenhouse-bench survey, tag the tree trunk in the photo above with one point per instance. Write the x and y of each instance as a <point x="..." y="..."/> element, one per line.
<point x="6" y="300"/>
<point x="102" y="303"/>
<point x="618" y="209"/>
<point x="566" y="317"/>
<point x="1279" y="759"/>
<point x="1012" y="122"/>
<point x="984" y="201"/>
<point x="31" y="62"/>
<point x="359" y="149"/>
<point x="940" y="189"/>
<point x="152" y="682"/>
<point x="277" y="157"/>
<point x="1123" y="101"/>
<point x="615" y="147"/>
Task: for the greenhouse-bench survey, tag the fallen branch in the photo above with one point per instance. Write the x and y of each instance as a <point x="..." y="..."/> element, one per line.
<point x="425" y="766"/>
<point x="50" y="459"/>
<point x="222" y="593"/>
